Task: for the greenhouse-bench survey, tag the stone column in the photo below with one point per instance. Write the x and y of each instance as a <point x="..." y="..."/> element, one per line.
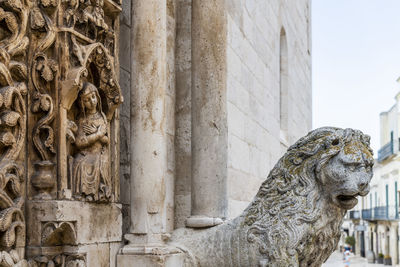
<point x="209" y="113"/>
<point x="393" y="242"/>
<point x="148" y="138"/>
<point x="358" y="242"/>
<point x="148" y="135"/>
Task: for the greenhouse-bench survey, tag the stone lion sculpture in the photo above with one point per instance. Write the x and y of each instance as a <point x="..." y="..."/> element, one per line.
<point x="295" y="218"/>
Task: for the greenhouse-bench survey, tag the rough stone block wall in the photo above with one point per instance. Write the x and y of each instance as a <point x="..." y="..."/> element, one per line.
<point x="253" y="54"/>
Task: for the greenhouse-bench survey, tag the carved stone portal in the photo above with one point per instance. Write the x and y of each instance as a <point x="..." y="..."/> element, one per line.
<point x="57" y="83"/>
<point x="296" y="215"/>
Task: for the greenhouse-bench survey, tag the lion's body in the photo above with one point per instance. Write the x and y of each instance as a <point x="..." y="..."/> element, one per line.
<point x="295" y="218"/>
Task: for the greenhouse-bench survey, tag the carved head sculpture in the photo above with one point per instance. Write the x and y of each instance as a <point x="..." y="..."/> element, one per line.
<point x="335" y="162"/>
<point x="89" y="99"/>
<point x="348" y="173"/>
<point x="342" y="161"/>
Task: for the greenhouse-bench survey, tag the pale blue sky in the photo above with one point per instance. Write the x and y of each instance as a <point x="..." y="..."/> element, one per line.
<point x="356" y="61"/>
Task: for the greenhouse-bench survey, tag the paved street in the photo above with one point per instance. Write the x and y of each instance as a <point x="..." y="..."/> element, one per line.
<point x="336" y="261"/>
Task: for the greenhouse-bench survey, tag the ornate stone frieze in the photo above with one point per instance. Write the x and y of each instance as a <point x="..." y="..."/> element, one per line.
<point x="59" y="260"/>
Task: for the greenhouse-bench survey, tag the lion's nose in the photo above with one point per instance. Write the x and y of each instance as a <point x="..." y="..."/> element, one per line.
<point x="362" y="185"/>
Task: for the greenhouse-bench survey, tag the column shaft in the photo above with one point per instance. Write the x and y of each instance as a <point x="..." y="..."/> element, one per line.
<point x="149" y="141"/>
<point x="209" y="113"/>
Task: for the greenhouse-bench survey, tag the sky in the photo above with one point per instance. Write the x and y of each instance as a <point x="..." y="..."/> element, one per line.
<point x="356" y="62"/>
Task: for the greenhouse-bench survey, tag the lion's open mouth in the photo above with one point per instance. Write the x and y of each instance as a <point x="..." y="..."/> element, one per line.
<point x="347" y="201"/>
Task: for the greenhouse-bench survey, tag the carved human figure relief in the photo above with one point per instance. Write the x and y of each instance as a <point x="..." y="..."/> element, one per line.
<point x="90" y="171"/>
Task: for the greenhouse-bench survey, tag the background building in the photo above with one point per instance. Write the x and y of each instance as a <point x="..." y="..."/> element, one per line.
<point x="376" y="217"/>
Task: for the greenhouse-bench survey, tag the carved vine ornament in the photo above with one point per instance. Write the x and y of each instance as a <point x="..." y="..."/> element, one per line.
<point x="13" y="89"/>
<point x="57" y="82"/>
<point x="295" y="218"/>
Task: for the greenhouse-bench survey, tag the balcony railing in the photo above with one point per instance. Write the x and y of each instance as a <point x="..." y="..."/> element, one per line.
<point x="386" y="151"/>
<point x="383" y="213"/>
<point x="366" y="214"/>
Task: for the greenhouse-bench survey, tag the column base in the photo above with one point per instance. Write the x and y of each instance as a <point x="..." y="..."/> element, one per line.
<point x="199" y="221"/>
<point x="149" y="260"/>
<point x="137" y="254"/>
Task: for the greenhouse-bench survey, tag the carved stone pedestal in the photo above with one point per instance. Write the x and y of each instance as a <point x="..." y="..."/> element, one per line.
<point x="147" y="250"/>
<point x="74" y="230"/>
<point x="150" y="260"/>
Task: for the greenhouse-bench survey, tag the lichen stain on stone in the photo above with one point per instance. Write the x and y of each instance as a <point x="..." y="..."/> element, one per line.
<point x="355" y="149"/>
<point x="156" y="94"/>
<point x="171" y="8"/>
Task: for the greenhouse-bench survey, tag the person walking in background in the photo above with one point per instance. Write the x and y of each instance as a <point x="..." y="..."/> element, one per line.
<point x="346" y="258"/>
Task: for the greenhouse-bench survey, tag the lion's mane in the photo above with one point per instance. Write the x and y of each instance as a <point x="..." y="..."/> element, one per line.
<point x="291" y="198"/>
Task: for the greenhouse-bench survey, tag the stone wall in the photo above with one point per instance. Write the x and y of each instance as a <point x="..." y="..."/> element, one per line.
<point x="255" y="140"/>
<point x="255" y="136"/>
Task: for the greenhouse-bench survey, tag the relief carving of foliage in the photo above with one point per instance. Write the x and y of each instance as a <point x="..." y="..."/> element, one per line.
<point x="13" y="75"/>
<point x="12" y="221"/>
<point x="43" y="74"/>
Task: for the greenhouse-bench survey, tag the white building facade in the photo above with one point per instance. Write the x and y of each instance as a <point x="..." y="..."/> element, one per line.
<point x="375" y="219"/>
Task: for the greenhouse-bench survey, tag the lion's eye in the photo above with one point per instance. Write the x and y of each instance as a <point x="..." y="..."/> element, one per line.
<point x="335" y="142"/>
<point x="354" y="166"/>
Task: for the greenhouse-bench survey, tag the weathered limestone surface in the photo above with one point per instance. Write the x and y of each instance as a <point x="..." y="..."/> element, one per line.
<point x="152" y="135"/>
<point x="183" y="118"/>
<point x="149" y="148"/>
<point x="125" y="127"/>
<point x="295" y="218"/>
<point x="170" y="260"/>
<point x="52" y="222"/>
<point x="209" y="123"/>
